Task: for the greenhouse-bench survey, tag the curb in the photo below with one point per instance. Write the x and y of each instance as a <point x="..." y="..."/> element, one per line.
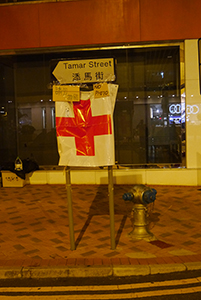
<point x="95" y="271"/>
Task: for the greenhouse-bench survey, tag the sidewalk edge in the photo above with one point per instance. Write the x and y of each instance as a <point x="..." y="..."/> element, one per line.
<point x="95" y="271"/>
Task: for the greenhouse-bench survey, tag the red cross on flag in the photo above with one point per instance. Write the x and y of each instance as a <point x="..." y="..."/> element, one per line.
<point x="85" y="134"/>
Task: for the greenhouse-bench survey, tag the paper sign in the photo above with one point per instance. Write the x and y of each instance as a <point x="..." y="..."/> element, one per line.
<point x="66" y="93"/>
<point x="101" y="90"/>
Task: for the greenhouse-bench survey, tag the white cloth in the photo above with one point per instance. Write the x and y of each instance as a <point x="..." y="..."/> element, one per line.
<point x="85" y="132"/>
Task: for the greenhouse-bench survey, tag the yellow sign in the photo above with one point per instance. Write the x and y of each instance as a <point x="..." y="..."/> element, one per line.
<point x="66" y="93"/>
<point x="101" y="90"/>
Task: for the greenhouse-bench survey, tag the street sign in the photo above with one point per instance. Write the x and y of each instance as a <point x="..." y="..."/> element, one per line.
<point x="85" y="71"/>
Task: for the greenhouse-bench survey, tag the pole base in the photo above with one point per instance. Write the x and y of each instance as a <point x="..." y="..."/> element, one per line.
<point x="141" y="233"/>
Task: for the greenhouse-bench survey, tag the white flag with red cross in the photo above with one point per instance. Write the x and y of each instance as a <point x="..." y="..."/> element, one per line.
<point x="85" y="132"/>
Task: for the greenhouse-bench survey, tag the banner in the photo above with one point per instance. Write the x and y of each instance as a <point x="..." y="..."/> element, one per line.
<point x="85" y="133"/>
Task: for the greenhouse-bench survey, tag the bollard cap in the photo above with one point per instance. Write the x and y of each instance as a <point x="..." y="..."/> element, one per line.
<point x="149" y="196"/>
<point x="127" y="196"/>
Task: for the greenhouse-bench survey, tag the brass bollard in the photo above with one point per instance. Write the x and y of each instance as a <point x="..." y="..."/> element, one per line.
<point x="140" y="230"/>
<point x="141" y="196"/>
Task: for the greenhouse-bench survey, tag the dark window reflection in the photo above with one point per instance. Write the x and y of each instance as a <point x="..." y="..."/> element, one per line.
<point x="8" y="136"/>
<point x="149" y="116"/>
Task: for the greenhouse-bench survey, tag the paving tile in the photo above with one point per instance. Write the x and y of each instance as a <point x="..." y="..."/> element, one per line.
<point x="160" y="244"/>
<point x="39" y="229"/>
<point x="28" y="262"/>
<point x="90" y="261"/>
<point x="97" y="261"/>
<point x="166" y="234"/>
<point x="16" y="217"/>
<point x="37" y="257"/>
<point x="180" y="231"/>
<point x="61" y="234"/>
<point x="151" y="261"/>
<point x="106" y="261"/>
<point x="124" y="261"/>
<point x="24" y="227"/>
<point x="56" y="241"/>
<point x="134" y="261"/>
<point x="176" y="259"/>
<point x="143" y="261"/>
<point x="188" y="243"/>
<point x="31" y="251"/>
<point x="104" y="245"/>
<point x="17" y="223"/>
<point x="80" y="261"/>
<point x="36" y="240"/>
<point x="89" y="253"/>
<point x="11" y="263"/>
<point x="20" y="229"/>
<point x="18" y="247"/>
<point x="2" y="262"/>
<point x="160" y="260"/>
<point x="111" y="254"/>
<point x="61" y="248"/>
<point x="115" y="261"/>
<point x="36" y="223"/>
<point x="71" y="261"/>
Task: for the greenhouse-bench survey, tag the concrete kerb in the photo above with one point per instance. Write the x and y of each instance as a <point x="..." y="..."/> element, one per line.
<point x="133" y="270"/>
<point x="193" y="266"/>
<point x="64" y="272"/>
<point x="167" y="268"/>
<point x="95" y="271"/>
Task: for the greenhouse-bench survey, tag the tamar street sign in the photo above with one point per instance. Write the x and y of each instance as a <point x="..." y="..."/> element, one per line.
<point x="85" y="71"/>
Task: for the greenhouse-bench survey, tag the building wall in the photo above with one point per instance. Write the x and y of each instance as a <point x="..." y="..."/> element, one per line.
<point x="193" y="105"/>
<point x="90" y="22"/>
<point x="190" y="177"/>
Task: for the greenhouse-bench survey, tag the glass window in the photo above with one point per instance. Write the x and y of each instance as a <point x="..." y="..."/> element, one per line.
<point x="148" y="114"/>
<point x="8" y="136"/>
<point x="148" y="110"/>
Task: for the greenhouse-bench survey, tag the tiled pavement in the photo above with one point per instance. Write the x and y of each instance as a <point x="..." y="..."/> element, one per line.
<point x="34" y="227"/>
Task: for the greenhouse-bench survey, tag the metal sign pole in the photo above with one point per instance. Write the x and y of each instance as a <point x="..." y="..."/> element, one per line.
<point x="111" y="206"/>
<point x="70" y="208"/>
